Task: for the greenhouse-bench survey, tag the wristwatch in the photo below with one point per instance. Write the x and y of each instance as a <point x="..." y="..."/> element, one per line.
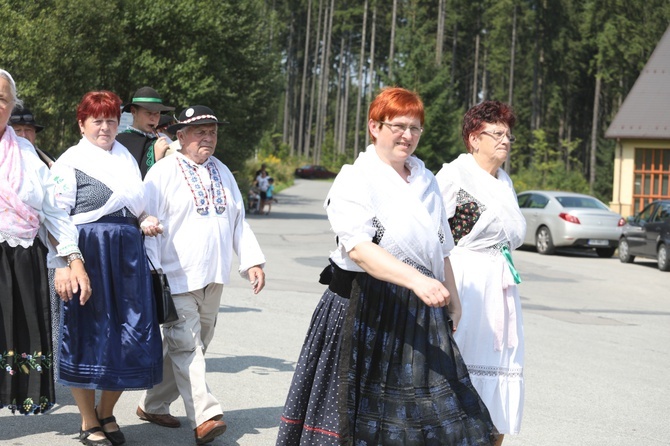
<point x="74" y="256"/>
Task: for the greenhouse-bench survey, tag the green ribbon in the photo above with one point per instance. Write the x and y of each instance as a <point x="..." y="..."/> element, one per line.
<point x="508" y="257"/>
<point x="160" y="101"/>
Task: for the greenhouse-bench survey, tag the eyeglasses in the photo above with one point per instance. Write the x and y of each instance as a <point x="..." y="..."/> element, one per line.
<point x="498" y="136"/>
<point x="399" y="129"/>
<point x="18" y="118"/>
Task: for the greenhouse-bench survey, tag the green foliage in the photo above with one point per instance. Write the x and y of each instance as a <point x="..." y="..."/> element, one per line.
<point x="547" y="169"/>
<point x="212" y="52"/>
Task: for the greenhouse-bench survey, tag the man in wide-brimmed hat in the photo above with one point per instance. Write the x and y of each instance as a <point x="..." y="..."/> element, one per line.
<point x="197" y="199"/>
<point x="23" y="122"/>
<point x="142" y="139"/>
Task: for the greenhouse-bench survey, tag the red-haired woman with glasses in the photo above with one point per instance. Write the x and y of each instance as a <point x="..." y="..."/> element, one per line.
<point x="111" y="342"/>
<point x="487" y="225"/>
<point x="379" y="365"/>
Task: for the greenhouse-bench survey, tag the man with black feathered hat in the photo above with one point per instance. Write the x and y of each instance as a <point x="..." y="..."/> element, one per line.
<point x="196" y="198"/>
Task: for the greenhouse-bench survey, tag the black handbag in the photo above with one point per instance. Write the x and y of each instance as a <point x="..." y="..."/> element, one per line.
<point x="165" y="309"/>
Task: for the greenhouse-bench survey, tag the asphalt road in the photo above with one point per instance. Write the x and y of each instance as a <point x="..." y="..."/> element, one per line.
<point x="597" y="346"/>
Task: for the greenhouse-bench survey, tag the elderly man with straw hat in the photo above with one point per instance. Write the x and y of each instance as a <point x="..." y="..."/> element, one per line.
<point x="141" y="138"/>
<point x="196" y="198"/>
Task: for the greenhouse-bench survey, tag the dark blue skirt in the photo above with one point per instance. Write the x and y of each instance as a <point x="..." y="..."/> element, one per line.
<point x="310" y="416"/>
<point x="112" y="342"/>
<point x="405" y="380"/>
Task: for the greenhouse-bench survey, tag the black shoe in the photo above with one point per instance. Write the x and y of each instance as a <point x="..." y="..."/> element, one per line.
<point x="116" y="437"/>
<point x="83" y="437"/>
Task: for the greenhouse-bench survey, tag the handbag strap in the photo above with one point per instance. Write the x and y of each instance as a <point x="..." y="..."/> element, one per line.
<point x="153" y="268"/>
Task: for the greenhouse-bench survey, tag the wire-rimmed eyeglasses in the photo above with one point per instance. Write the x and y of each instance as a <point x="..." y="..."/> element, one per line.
<point x="399" y="129"/>
<point x="498" y="136"/>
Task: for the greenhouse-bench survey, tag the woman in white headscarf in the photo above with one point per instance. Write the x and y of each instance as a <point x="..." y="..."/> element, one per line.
<point x="487" y="225"/>
<point x="28" y="215"/>
<point x="379" y="365"/>
<point x="112" y="343"/>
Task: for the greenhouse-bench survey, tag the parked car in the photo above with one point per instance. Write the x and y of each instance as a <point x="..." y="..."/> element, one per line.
<point x="566" y="219"/>
<point x="647" y="234"/>
<point x="311" y="171"/>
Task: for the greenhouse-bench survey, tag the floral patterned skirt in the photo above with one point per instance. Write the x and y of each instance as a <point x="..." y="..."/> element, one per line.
<point x="26" y="374"/>
<point x="404" y="377"/>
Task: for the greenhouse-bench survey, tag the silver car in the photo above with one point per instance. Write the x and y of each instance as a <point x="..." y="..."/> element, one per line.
<point x="566" y="219"/>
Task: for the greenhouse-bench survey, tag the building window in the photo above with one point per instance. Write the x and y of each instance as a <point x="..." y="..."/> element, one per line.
<point x="652" y="172"/>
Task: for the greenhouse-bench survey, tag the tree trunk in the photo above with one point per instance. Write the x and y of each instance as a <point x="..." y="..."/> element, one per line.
<point x="308" y="132"/>
<point x="510" y="91"/>
<point x="301" y="125"/>
<point x="319" y="97"/>
<point x="345" y="102"/>
<point x="372" y="65"/>
<point x="338" y="96"/>
<point x="594" y="133"/>
<point x="454" y="54"/>
<point x="321" y="125"/>
<point x="360" y="81"/>
<point x="476" y="71"/>
<point x="287" y="90"/>
<point x="439" y="40"/>
<point x="392" y="46"/>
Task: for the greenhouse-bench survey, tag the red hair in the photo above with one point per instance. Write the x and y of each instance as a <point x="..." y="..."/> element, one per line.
<point x="395" y="101"/>
<point x="99" y="104"/>
<point x="488" y="112"/>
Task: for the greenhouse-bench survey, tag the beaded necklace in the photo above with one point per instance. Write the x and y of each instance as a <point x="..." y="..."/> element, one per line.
<point x="198" y="190"/>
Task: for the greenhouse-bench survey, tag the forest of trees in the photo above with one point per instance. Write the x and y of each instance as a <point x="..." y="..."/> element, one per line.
<point x="294" y="77"/>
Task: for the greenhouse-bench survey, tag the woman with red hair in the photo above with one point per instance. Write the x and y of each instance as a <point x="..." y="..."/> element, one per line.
<point x="379" y="365"/>
<point x="487" y="225"/>
<point x="111" y="342"/>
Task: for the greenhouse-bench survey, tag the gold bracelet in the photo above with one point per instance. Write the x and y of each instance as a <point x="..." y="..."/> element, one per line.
<point x="74" y="256"/>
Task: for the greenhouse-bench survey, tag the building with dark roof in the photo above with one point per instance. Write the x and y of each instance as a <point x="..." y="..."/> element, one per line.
<point x="641" y="128"/>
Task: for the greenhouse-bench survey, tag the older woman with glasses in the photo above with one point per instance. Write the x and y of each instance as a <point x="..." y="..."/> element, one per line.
<point x="379" y="365"/>
<point x="487" y="225"/>
<point x="26" y="212"/>
<point x="113" y="342"/>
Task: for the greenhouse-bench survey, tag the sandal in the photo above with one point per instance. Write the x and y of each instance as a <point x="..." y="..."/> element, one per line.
<point x="84" y="434"/>
<point x="116" y="437"/>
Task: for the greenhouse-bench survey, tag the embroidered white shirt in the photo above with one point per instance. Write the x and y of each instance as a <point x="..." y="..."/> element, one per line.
<point x="196" y="249"/>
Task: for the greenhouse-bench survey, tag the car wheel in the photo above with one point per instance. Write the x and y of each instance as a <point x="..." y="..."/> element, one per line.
<point x="544" y="242"/>
<point x="624" y="252"/>
<point x="605" y="253"/>
<point x="663" y="259"/>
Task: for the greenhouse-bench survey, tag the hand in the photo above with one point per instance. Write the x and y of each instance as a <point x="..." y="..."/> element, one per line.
<point x="431" y="291"/>
<point x="257" y="278"/>
<point x="150" y="226"/>
<point x="455" y="314"/>
<point x="160" y="147"/>
<point x="69" y="280"/>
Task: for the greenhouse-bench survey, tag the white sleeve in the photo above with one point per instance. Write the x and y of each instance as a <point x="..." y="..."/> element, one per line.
<point x="349" y="211"/>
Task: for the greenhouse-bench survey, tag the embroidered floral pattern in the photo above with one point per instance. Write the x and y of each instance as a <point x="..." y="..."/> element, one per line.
<point x="200" y="195"/>
<point x="468" y="210"/>
<point x="14" y="365"/>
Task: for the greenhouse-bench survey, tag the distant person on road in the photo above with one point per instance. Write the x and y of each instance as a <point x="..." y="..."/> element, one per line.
<point x="487" y="225"/>
<point x="196" y="198"/>
<point x="142" y="139"/>
<point x="379" y="365"/>
<point x="269" y="194"/>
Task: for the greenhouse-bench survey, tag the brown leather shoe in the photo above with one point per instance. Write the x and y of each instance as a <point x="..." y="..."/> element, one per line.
<point x="166" y="419"/>
<point x="209" y="430"/>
